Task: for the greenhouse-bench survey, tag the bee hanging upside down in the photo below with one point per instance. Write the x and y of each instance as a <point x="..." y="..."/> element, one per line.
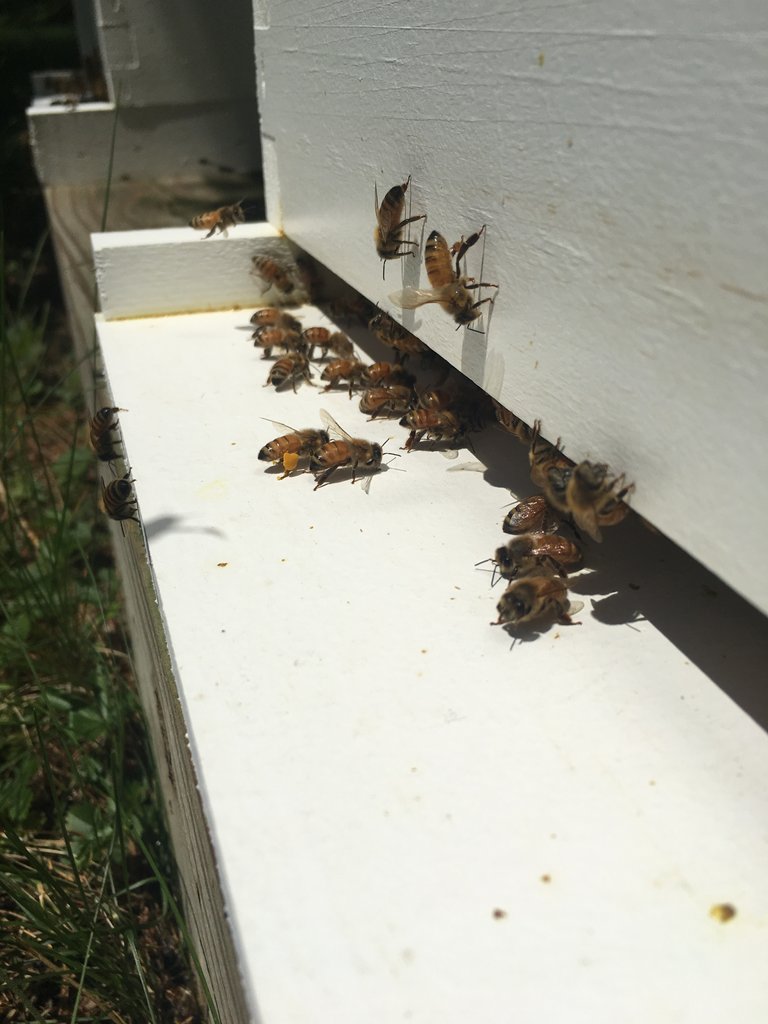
<point x="219" y="220"/>
<point x="388" y="233"/>
<point x="531" y="515"/>
<point x="450" y="288"/>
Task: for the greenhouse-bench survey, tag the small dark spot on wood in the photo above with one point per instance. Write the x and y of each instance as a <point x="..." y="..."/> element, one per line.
<point x="499" y="914"/>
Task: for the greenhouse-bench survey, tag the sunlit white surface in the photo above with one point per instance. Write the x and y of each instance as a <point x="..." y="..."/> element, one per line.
<point x="382" y="772"/>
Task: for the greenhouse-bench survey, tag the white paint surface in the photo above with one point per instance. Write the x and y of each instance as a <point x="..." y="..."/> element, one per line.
<point x="72" y="146"/>
<point x="381" y="771"/>
<point x="173" y="270"/>
<point x="618" y="154"/>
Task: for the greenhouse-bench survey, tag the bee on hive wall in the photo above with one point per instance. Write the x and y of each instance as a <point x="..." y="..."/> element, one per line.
<point x="450" y="288"/>
<point x="118" y="500"/>
<point x="388" y="233"/>
<point x="100" y="427"/>
<point x="511" y="423"/>
<point x="219" y="220"/>
<point x="544" y="456"/>
<point x="594" y="499"/>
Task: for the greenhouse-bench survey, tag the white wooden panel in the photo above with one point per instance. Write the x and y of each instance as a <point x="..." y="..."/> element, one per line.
<point x="618" y="154"/>
<point x="72" y="146"/>
<point x="175" y="270"/>
<point x="176" y="53"/>
<point x="381" y="773"/>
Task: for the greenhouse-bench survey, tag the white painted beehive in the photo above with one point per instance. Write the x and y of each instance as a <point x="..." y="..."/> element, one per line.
<point x="410" y="819"/>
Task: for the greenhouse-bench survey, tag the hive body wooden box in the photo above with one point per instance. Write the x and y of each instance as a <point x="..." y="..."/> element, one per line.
<point x="409" y="819"/>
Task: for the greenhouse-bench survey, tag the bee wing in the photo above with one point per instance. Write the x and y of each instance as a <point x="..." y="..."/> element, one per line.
<point x="286" y="429"/>
<point x="449" y="453"/>
<point x="333" y="427"/>
<point x="410" y="298"/>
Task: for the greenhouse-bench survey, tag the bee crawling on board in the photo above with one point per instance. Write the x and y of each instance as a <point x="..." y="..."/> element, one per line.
<point x="451" y="289"/>
<point x="100" y="427"/>
<point x="292" y="446"/>
<point x="273" y="316"/>
<point x="219" y="220"/>
<point x="118" y="500"/>
<point x="535" y="554"/>
<point x="383" y="374"/>
<point x="344" y="451"/>
<point x="289" y="369"/>
<point x="441" y="425"/>
<point x="267" y="338"/>
<point x="392" y="400"/>
<point x="388" y="233"/>
<point x="327" y="341"/>
<point x="534" y="599"/>
<point x="350" y="370"/>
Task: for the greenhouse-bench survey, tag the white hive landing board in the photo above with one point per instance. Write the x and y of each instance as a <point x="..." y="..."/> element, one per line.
<point x="617" y="152"/>
<point x="412" y="820"/>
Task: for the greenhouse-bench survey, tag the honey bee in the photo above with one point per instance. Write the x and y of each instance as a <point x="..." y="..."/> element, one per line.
<point x="350" y="370"/>
<point x="387" y="401"/>
<point x="450" y="288"/>
<point x="326" y="342"/>
<point x="343" y="451"/>
<point x="288" y="369"/>
<point x="543" y="457"/>
<point x="272" y="316"/>
<point x="219" y="220"/>
<point x="267" y="338"/>
<point x="532" y="515"/>
<point x="273" y="273"/>
<point x="387" y="235"/>
<point x="301" y="443"/>
<point x="100" y="428"/>
<point x="536" y="597"/>
<point x="351" y="308"/>
<point x="391" y="333"/>
<point x="594" y="500"/>
<point x="378" y="374"/>
<point x="118" y="499"/>
<point x="512" y="424"/>
<point x="436" y="424"/>
<point x="531" y="553"/>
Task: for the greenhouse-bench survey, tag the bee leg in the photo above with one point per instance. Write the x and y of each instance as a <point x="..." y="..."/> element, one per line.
<point x="409" y="220"/>
<point x="320" y="478"/>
